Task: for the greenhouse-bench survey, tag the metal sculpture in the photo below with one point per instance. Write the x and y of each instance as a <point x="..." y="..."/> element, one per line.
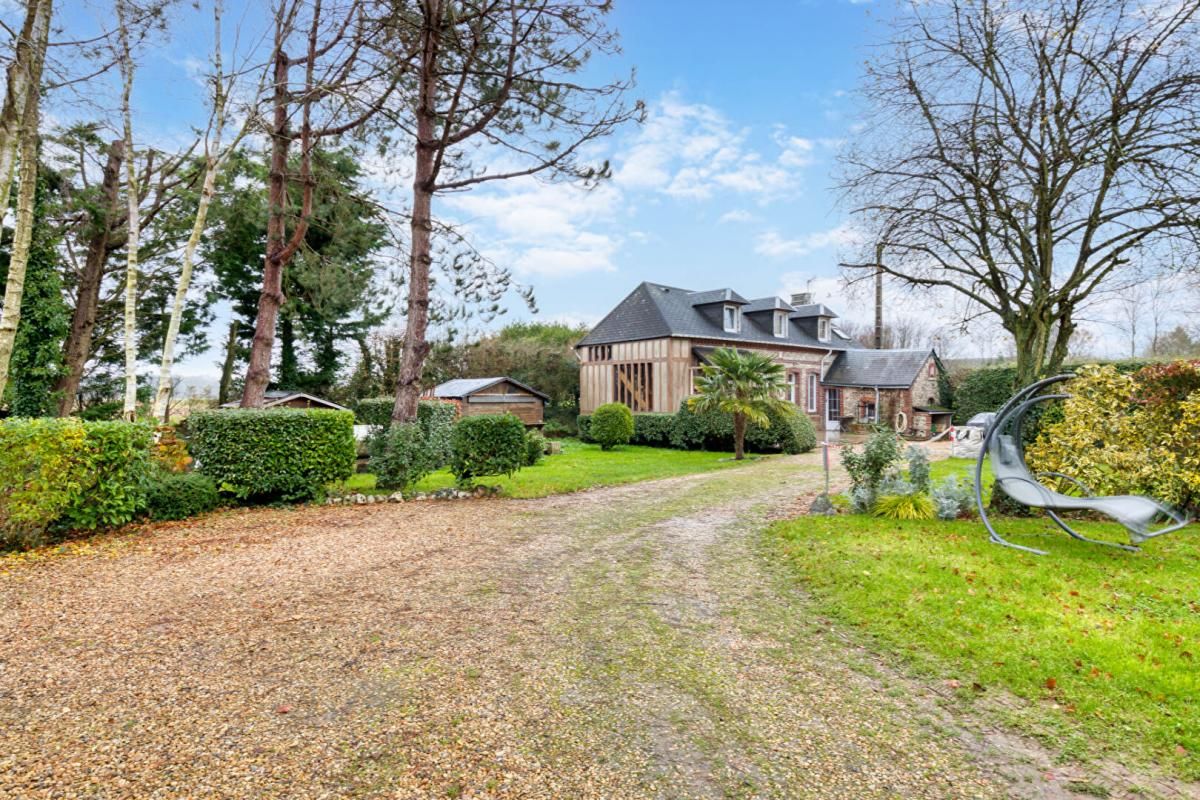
<point x="1002" y="444"/>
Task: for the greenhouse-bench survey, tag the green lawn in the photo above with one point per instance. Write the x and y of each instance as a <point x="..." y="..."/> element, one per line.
<point x="1102" y="646"/>
<point x="581" y="466"/>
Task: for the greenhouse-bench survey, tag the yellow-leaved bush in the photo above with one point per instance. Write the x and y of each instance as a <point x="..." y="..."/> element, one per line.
<point x="1128" y="434"/>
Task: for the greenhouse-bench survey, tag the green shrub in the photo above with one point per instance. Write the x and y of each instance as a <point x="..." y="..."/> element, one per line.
<point x="918" y="468"/>
<point x="120" y="469"/>
<point x="612" y="425"/>
<point x="273" y="454"/>
<point x="583" y="424"/>
<point x="63" y="474"/>
<point x="535" y="447"/>
<point x="953" y="497"/>
<point x="903" y="506"/>
<point x="652" y="430"/>
<point x="437" y="424"/>
<point x="43" y="468"/>
<point x="789" y="431"/>
<point x="490" y="444"/>
<point x="375" y="411"/>
<point x="868" y="467"/>
<point x="180" y="495"/>
<point x="555" y="429"/>
<point x="102" y="412"/>
<point x="561" y="419"/>
<point x="400" y="456"/>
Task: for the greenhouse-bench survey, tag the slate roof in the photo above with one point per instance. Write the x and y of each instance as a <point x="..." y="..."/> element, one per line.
<point x="655" y="311"/>
<point x="716" y="296"/>
<point x="885" y="369"/>
<point x="767" y="304"/>
<point x="464" y="387"/>
<point x="813" y="310"/>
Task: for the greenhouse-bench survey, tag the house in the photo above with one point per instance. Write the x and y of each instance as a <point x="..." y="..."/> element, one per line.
<point x="493" y="396"/>
<point x="647" y="351"/>
<point x="286" y="398"/>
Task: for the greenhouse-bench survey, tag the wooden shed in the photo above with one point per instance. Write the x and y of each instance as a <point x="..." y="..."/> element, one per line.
<point x="284" y="398"/>
<point x="493" y="396"/>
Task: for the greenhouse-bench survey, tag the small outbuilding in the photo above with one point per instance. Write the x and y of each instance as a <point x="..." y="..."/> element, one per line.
<point x="493" y="396"/>
<point x="285" y="398"/>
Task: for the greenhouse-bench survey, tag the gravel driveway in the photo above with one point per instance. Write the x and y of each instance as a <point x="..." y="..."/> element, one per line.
<point x="621" y="643"/>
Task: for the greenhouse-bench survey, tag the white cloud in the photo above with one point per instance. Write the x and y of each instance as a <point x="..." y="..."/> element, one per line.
<point x="736" y="215"/>
<point x="772" y="245"/>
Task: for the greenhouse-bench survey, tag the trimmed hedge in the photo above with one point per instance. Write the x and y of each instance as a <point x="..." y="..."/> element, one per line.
<point x="652" y="430"/>
<point x="612" y="425"/>
<point x="60" y="474"/>
<point x="535" y="447"/>
<point x="490" y="444"/>
<point x="180" y="495"/>
<point x="789" y="431"/>
<point x="273" y="454"/>
<point x="584" y="423"/>
<point x="375" y="411"/>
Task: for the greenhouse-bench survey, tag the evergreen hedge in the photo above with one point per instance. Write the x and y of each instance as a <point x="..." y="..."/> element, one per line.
<point x="63" y="474"/>
<point x="180" y="495"/>
<point x="262" y="455"/>
<point x="790" y="431"/>
<point x="612" y="425"/>
<point x="489" y="444"/>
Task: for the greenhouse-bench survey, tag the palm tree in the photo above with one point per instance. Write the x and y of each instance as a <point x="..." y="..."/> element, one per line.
<point x="744" y="384"/>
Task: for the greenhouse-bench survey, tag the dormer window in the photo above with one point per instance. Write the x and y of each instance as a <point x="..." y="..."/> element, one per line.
<point x="733" y="319"/>
<point x="823" y="329"/>
<point x="781" y="324"/>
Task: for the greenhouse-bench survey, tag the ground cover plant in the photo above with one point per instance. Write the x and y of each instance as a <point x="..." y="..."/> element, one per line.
<point x="1100" y="644"/>
<point x="579" y="466"/>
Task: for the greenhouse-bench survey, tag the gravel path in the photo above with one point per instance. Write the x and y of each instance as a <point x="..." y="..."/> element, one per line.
<point x="622" y="643"/>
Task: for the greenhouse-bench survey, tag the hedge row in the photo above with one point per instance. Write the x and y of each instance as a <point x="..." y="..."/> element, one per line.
<point x="989" y="388"/>
<point x="273" y="454"/>
<point x="402" y="454"/>
<point x="789" y="431"/>
<point x="66" y="474"/>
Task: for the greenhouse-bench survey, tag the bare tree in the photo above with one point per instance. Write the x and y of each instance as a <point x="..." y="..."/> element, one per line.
<point x="495" y="79"/>
<point x="347" y="87"/>
<point x="1025" y="151"/>
<point x="133" y="223"/>
<point x="23" y="92"/>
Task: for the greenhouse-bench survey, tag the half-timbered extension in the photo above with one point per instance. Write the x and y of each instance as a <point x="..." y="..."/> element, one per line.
<point x="646" y="352"/>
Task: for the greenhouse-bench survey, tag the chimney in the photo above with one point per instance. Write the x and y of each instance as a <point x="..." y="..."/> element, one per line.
<point x="802" y="298"/>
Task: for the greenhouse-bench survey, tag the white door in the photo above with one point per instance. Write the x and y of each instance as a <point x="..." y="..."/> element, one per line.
<point x="833" y="409"/>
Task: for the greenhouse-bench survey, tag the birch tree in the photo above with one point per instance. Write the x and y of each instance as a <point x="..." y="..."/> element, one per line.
<point x="214" y="158"/>
<point x="1024" y="153"/>
<point x="20" y="133"/>
<point x="129" y="406"/>
<point x="497" y="80"/>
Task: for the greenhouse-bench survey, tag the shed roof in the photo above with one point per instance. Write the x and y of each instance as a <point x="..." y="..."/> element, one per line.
<point x="655" y="311"/>
<point x="885" y="369"/>
<point x="277" y="397"/>
<point x="465" y="387"/>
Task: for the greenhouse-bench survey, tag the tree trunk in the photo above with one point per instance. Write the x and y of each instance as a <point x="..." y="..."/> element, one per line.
<point x="1032" y="338"/>
<point x="258" y="373"/>
<point x="16" y="85"/>
<point x="129" y="407"/>
<point x="87" y="293"/>
<point x="14" y="288"/>
<point x="416" y="348"/>
<point x="739" y="437"/>
<point x="230" y="362"/>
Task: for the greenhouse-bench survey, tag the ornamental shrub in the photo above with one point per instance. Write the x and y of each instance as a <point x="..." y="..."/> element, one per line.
<point x="180" y="495"/>
<point x="903" y="506"/>
<point x="535" y="447"/>
<point x="612" y="425"/>
<point x="868" y="467"/>
<point x="918" y="468"/>
<point x="437" y="424"/>
<point x="952" y="498"/>
<point x="64" y="474"/>
<point x="1133" y="433"/>
<point x="584" y="425"/>
<point x="652" y="430"/>
<point x="489" y="444"/>
<point x="263" y="455"/>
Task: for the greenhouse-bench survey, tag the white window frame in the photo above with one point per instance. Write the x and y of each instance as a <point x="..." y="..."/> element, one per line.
<point x="781" y="324"/>
<point x="823" y="329"/>
<point x="793" y="389"/>
<point x="812" y="393"/>
<point x="732" y="312"/>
